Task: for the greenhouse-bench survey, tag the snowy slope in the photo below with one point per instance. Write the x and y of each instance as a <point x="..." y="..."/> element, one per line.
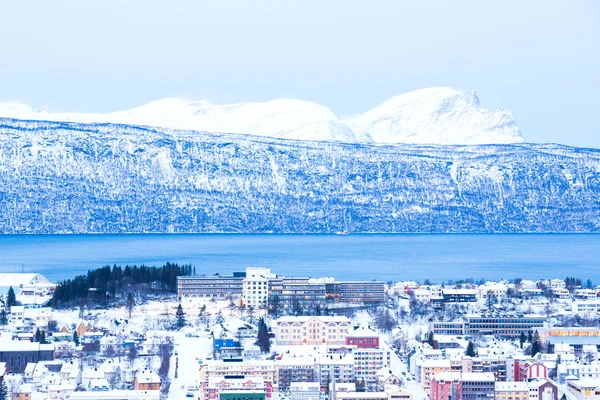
<point x="58" y="177"/>
<point x="432" y="116"/>
<point x="437" y="115"/>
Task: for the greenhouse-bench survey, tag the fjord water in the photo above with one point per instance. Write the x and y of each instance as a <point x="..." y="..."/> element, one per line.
<point x="439" y="257"/>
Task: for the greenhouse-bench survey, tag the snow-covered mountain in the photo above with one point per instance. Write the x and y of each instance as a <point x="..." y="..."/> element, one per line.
<point x="64" y="177"/>
<point x="428" y="116"/>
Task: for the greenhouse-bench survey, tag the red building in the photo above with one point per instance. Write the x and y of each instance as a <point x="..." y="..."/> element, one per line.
<point x="445" y="386"/>
<point x="363" y="338"/>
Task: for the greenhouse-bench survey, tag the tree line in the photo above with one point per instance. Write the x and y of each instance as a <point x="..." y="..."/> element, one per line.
<point x="104" y="285"/>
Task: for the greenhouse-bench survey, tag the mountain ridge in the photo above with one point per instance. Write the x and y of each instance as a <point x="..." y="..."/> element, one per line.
<point x="65" y="177"/>
<point x="427" y="116"/>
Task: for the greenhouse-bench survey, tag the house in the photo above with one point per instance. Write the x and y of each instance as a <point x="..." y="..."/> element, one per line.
<point x="17" y="314"/>
<point x="98" y="385"/>
<point x="386" y="377"/>
<point x="511" y="391"/>
<point x="584" y="389"/>
<point x="305" y="391"/>
<point x="23" y="392"/>
<point x="83" y="327"/>
<point x="146" y="380"/>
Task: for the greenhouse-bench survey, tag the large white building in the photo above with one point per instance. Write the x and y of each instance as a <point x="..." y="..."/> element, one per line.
<point x="255" y="288"/>
<point x="19" y="281"/>
<point x="311" y="330"/>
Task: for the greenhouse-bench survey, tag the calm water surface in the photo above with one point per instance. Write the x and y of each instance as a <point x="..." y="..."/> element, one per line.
<point x="382" y="257"/>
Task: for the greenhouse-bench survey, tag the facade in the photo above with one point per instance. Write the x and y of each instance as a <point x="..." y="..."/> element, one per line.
<point x="462" y="386"/>
<point x="511" y="391"/>
<point x="586" y="306"/>
<point x="305" y="391"/>
<point x="242" y="395"/>
<point x="430" y="368"/>
<point x="212" y="286"/>
<point x="300" y="369"/>
<point x="459" y="295"/>
<point x="573" y="336"/>
<point x="230" y="386"/>
<point x="265" y="370"/>
<point x="303" y="292"/>
<point x="311" y="330"/>
<point x="367" y="364"/>
<point x="361" y="292"/>
<point x="146" y="380"/>
<point x="542" y="389"/>
<point x="364" y="338"/>
<point x="255" y="287"/>
<point x="17" y="354"/>
<point x="584" y="389"/>
<point x="337" y="368"/>
<point x="498" y="325"/>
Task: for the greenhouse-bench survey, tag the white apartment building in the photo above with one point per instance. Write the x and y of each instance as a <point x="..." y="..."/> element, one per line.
<point x="557" y="284"/>
<point x="337" y="368"/>
<point x="255" y="287"/>
<point x="311" y="330"/>
<point x="368" y="362"/>
<point x="586" y="306"/>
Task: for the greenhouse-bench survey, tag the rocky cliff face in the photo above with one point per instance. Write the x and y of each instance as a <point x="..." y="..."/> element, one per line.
<point x="58" y="177"/>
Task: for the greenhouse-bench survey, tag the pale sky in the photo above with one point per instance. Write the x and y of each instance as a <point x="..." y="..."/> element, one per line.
<point x="538" y="58"/>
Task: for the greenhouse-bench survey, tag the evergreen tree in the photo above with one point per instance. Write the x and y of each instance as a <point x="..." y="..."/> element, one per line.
<point x="431" y="340"/>
<point x="3" y="317"/>
<point x="76" y="338"/>
<point x="37" y="335"/>
<point x="4" y="395"/>
<point x="130" y="303"/>
<point x="11" y="299"/>
<point x="42" y="337"/>
<point x="536" y="345"/>
<point x="262" y="339"/>
<point x="522" y="339"/>
<point x="530" y="337"/>
<point x="471" y="350"/>
<point x="180" y="316"/>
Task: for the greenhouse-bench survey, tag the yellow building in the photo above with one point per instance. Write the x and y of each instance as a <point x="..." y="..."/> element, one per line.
<point x="511" y="391"/>
<point x="294" y="331"/>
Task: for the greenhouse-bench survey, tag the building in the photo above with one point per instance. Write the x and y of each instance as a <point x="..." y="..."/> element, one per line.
<point x="232" y="385"/>
<point x="311" y="330"/>
<point x="542" y="389"/>
<point x="295" y="369"/>
<point x="255" y="287"/>
<point x="306" y="293"/>
<point x="146" y="380"/>
<point x="17" y="354"/>
<point x="511" y="391"/>
<point x="430" y="368"/>
<point x="212" y="286"/>
<point x="364" y="338"/>
<point x="367" y="364"/>
<point x="459" y="295"/>
<point x="265" y="370"/>
<point x="305" y="391"/>
<point x="337" y="368"/>
<point x="584" y="389"/>
<point x="573" y="336"/>
<point x="22" y="280"/>
<point x="366" y="292"/>
<point x="586" y="306"/>
<point x="498" y="324"/>
<point x="462" y="386"/>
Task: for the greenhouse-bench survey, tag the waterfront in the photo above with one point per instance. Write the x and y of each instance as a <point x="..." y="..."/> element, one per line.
<point x="346" y="257"/>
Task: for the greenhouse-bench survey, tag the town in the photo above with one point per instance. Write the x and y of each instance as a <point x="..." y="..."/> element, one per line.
<point x="146" y="334"/>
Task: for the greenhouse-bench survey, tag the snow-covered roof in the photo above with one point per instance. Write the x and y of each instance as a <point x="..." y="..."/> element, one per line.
<point x="511" y="387"/>
<point x="17" y="345"/>
<point x="290" y="319"/>
<point x="362" y="331"/>
<point x="147" y="376"/>
<point x="17" y="279"/>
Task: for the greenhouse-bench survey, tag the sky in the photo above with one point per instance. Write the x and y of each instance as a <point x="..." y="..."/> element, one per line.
<point x="538" y="58"/>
